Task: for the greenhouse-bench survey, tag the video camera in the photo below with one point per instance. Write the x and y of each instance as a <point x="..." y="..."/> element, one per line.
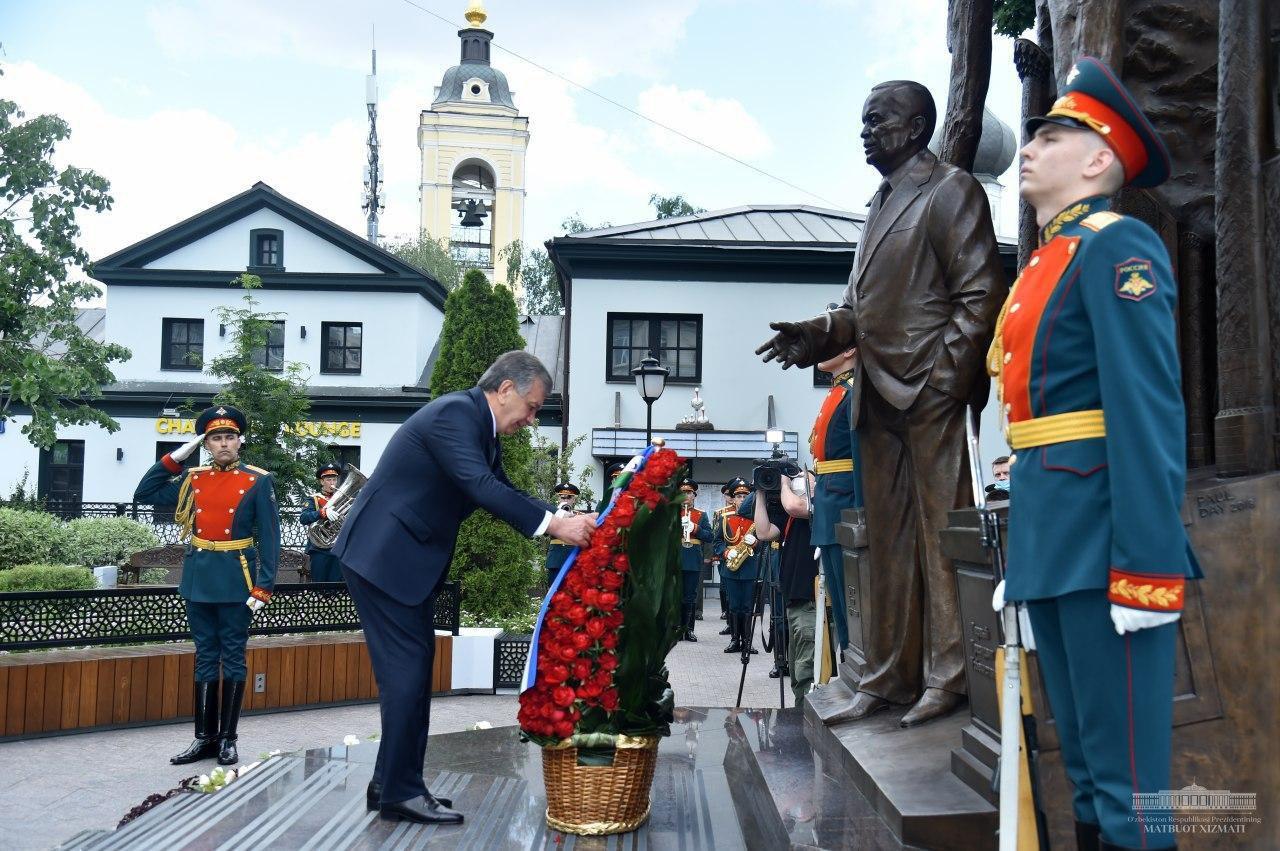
<point x="767" y="478"/>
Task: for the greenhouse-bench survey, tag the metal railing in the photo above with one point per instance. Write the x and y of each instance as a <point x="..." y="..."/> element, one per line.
<point x="510" y="651"/>
<point x="31" y="620"/>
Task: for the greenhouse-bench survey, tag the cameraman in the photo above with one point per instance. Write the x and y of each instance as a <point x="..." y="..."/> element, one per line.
<point x="799" y="569"/>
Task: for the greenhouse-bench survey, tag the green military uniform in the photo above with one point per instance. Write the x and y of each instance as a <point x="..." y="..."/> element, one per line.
<point x="324" y="565"/>
<point x="1087" y="361"/>
<point x="232" y="554"/>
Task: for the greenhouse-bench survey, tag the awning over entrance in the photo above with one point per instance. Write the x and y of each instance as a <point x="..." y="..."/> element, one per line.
<point x="625" y="442"/>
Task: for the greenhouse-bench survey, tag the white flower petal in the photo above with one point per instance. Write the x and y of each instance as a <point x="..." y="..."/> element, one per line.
<point x="350" y="740"/>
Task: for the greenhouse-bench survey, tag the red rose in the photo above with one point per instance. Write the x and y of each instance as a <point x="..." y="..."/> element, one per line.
<point x="567" y="653"/>
<point x="557" y="674"/>
<point x="581" y="669"/>
<point x="590" y="597"/>
<point x="549" y="709"/>
<point x="590" y="690"/>
<point x="607" y="661"/>
<point x="564" y="729"/>
<point x="577" y="616"/>
<point x="614" y="619"/>
<point x="581" y="641"/>
<point x="610" y="580"/>
<point x="596" y="627"/>
<point x="562" y="696"/>
<point x="610" y="640"/>
<point x="608" y="601"/>
<point x="609" y="699"/>
<point x="621" y="562"/>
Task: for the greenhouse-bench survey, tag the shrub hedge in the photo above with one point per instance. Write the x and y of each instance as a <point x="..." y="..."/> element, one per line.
<point x="46" y="577"/>
<point x="91" y="541"/>
<point x="29" y="537"/>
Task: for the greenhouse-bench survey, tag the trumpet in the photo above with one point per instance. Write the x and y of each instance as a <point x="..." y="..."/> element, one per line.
<point x="686" y="527"/>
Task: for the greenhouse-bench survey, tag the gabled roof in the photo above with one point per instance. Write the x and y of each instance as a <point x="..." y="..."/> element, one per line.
<point x="126" y="266"/>
<point x="761" y="224"/>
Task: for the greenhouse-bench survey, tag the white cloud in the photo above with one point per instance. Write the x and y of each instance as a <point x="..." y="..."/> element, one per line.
<point x="722" y="123"/>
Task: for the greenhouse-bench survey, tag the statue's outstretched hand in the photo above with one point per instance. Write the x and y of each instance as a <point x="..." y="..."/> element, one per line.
<point x="787" y="346"/>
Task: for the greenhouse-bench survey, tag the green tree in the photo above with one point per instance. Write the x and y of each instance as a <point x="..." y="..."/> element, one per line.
<point x="670" y="206"/>
<point x="273" y="401"/>
<point x="551" y="466"/>
<point x="1014" y="17"/>
<point x="532" y="273"/>
<point x="494" y="562"/>
<point x="47" y="363"/>
<point x="435" y="257"/>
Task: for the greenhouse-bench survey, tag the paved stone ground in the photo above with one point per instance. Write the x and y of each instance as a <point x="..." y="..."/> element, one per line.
<point x="52" y="788"/>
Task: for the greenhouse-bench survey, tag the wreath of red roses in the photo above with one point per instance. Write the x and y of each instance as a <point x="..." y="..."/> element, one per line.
<point x="577" y="647"/>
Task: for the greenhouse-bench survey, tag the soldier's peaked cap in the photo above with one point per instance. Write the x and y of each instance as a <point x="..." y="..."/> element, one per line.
<point x="567" y="488"/>
<point x="1094" y="99"/>
<point x="688" y="485"/>
<point x="328" y="469"/>
<point x="221" y="418"/>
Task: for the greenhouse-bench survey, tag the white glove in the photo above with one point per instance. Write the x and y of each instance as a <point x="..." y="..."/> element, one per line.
<point x="997" y="599"/>
<point x="255" y="605"/>
<point x="1132" y="620"/>
<point x="184" y="451"/>
<point x="749" y="540"/>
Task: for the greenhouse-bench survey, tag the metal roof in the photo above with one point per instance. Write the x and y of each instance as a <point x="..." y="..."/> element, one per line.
<point x="755" y="223"/>
<point x="544" y="339"/>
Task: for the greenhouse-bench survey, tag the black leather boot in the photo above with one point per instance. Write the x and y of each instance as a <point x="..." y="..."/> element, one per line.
<point x="205" y="709"/>
<point x="1087" y="836"/>
<point x="735" y="637"/>
<point x="688" y="624"/>
<point x="744" y="628"/>
<point x="232" y="698"/>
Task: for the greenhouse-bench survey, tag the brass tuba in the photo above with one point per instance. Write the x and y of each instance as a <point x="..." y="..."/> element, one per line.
<point x="324" y="532"/>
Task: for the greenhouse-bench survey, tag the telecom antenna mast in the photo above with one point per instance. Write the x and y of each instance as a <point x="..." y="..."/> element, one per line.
<point x="373" y="203"/>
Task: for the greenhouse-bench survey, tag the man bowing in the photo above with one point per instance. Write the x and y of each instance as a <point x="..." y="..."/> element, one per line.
<point x="442" y="464"/>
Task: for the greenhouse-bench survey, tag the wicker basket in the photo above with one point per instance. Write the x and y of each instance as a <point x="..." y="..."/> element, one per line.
<point x="592" y="800"/>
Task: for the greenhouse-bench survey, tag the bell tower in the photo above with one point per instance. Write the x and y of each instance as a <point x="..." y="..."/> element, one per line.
<point x="472" y="141"/>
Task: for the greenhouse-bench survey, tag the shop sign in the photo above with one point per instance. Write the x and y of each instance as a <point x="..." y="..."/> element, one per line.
<point x="174" y="425"/>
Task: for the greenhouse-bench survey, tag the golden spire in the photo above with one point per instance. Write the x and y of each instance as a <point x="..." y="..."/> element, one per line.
<point x="475" y="14"/>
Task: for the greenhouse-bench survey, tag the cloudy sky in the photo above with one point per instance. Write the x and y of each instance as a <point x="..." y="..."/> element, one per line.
<point x="183" y="103"/>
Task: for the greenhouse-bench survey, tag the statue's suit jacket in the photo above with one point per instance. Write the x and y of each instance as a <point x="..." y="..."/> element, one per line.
<point x="926" y="285"/>
<point x="443" y="463"/>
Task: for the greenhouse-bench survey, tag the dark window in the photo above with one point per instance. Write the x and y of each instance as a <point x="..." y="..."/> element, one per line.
<point x="271" y="356"/>
<point x="61" y="478"/>
<point x="182" y="346"/>
<point x="821" y="379"/>
<point x="674" y="339"/>
<point x="344" y="455"/>
<point x="341" y="348"/>
<point x="266" y="248"/>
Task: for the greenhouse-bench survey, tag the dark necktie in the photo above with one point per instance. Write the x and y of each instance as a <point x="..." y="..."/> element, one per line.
<point x="877" y="201"/>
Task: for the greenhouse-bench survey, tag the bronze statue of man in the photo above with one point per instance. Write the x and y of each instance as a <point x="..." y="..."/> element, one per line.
<point x="920" y="306"/>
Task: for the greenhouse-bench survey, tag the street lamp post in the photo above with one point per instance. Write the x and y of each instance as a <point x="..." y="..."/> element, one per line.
<point x="651" y="380"/>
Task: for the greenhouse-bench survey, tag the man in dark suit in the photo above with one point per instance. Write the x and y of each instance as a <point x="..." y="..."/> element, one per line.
<point x="397" y="543"/>
<point x="920" y="307"/>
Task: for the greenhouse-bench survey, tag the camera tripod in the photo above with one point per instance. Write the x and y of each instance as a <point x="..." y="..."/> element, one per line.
<point x="774" y="639"/>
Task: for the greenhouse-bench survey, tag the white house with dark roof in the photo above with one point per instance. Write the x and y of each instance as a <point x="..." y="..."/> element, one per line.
<point x="362" y="322"/>
<point x="698" y="293"/>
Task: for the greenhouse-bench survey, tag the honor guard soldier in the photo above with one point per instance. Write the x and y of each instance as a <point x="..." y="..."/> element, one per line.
<point x="325" y="567"/>
<point x="227" y="575"/>
<point x="611" y="472"/>
<point x="833" y="444"/>
<point x="695" y="529"/>
<point x="739" y="567"/>
<point x="558" y="550"/>
<point x="1086" y="359"/>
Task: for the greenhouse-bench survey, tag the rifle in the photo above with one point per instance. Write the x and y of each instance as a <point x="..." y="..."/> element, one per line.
<point x="1016" y="777"/>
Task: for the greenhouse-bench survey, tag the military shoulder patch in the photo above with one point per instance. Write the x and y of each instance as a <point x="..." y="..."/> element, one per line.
<point x="1135" y="279"/>
<point x="1100" y="220"/>
<point x="258" y="470"/>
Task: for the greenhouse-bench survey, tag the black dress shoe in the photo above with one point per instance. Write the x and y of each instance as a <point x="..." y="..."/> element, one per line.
<point x="689" y="636"/>
<point x="424" y="809"/>
<point x="373" y="797"/>
<point x="774" y="673"/>
<point x="728" y="630"/>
